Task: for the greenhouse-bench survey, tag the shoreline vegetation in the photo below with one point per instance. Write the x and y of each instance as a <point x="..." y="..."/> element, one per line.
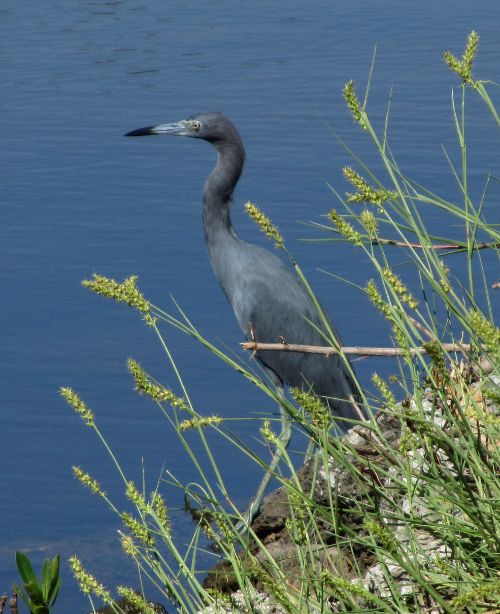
<point x="401" y="514"/>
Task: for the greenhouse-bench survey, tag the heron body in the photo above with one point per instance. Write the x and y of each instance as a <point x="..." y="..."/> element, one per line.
<point x="269" y="301"/>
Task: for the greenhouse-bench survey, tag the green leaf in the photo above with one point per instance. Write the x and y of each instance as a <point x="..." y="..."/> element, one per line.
<point x="54" y="592"/>
<point x="25" y="569"/>
<point x="34" y="592"/>
<point x="54" y="579"/>
<point x="55" y="582"/>
<point x="46" y="578"/>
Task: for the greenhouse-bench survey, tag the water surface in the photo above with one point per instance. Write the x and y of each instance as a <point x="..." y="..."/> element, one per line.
<point x="78" y="198"/>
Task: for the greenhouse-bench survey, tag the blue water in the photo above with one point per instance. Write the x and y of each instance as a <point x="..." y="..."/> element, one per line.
<point x="78" y="198"/>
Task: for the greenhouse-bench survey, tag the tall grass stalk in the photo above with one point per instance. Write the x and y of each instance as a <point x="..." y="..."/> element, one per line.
<point x="402" y="514"/>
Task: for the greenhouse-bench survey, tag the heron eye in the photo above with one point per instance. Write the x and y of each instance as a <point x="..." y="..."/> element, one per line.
<point x="195" y="125"/>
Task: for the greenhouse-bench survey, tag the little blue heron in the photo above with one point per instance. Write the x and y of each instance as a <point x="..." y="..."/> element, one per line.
<point x="270" y="302"/>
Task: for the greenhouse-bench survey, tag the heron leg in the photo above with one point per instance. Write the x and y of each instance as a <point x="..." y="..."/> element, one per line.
<point x="311" y="449"/>
<point x="284" y="439"/>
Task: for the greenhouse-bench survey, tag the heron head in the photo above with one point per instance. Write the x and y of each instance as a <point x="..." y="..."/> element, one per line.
<point x="212" y="127"/>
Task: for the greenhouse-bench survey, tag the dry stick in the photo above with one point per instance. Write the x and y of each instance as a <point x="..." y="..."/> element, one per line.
<point x="463" y="348"/>
<point x="423" y="329"/>
<point x="435" y="246"/>
<point x="357" y="409"/>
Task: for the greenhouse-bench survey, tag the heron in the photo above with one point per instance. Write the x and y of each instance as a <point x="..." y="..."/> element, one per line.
<point x="270" y="302"/>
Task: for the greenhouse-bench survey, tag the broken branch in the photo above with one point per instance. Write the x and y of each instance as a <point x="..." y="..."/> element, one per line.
<point x="254" y="346"/>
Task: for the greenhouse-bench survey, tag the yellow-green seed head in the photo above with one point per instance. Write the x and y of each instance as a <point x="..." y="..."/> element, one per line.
<point x="128" y="544"/>
<point x="88" y="584"/>
<point x="88" y="482"/>
<point x="222" y="524"/>
<point x="218" y="596"/>
<point x="408" y="442"/>
<point x="487" y="332"/>
<point x="137" y="498"/>
<point x="471" y="50"/>
<point x="399" y="288"/>
<point x="144" y="385"/>
<point x="297" y="523"/>
<point x="369" y="222"/>
<point x="376" y="298"/>
<point x="125" y="292"/>
<point x="78" y="405"/>
<point x="381" y="535"/>
<point x="342" y="588"/>
<point x="194" y="423"/>
<point x="437" y="355"/>
<point x="160" y="509"/>
<point x="345" y="229"/>
<point x="132" y="493"/>
<point x="265" y="224"/>
<point x="384" y="390"/>
<point x="320" y="415"/>
<point x="463" y="67"/>
<point x="487" y="591"/>
<point x="139" y="530"/>
<point x="353" y="103"/>
<point x="444" y="279"/>
<point x="268" y="433"/>
<point x="399" y="336"/>
<point x="365" y="192"/>
<point x="136" y="600"/>
<point x="296" y="530"/>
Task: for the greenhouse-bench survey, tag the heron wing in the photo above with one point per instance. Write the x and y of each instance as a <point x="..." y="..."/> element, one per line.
<point x="273" y="306"/>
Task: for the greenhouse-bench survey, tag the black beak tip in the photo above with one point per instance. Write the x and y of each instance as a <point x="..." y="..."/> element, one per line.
<point x="141" y="132"/>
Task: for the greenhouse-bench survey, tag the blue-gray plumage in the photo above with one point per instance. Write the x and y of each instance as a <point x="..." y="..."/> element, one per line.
<point x="270" y="303"/>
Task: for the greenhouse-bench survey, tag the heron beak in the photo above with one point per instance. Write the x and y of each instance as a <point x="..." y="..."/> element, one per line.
<point x="174" y="129"/>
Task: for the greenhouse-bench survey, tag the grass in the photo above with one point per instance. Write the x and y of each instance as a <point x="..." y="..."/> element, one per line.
<point x="402" y="514"/>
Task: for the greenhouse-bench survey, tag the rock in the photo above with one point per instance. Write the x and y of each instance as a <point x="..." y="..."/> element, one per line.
<point x="376" y="452"/>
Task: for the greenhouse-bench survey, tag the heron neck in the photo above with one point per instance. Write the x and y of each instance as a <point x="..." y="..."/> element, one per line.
<point x="219" y="188"/>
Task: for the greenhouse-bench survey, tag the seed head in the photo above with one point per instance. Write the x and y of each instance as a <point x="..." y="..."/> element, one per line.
<point x="320" y="415"/>
<point x="368" y="220"/>
<point x="399" y="288"/>
<point x="384" y="390"/>
<point x="78" y="405"/>
<point x="487" y="591"/>
<point x="126" y="292"/>
<point x="382" y="535"/>
<point x="144" y="385"/>
<point x="88" y="584"/>
<point x="137" y="498"/>
<point x="345" y="229"/>
<point x="139" y="530"/>
<point x="463" y="67"/>
<point x="88" y="481"/>
<point x="161" y="511"/>
<point x="340" y="587"/>
<point x="128" y="544"/>
<point x="265" y="224"/>
<point x="376" y="298"/>
<point x="353" y="103"/>
<point x="137" y="601"/>
<point x="486" y="331"/>
<point x="268" y="434"/>
<point x="365" y="192"/>
<point x="194" y="423"/>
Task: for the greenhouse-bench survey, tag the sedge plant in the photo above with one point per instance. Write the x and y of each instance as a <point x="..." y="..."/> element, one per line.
<point x="402" y="514"/>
